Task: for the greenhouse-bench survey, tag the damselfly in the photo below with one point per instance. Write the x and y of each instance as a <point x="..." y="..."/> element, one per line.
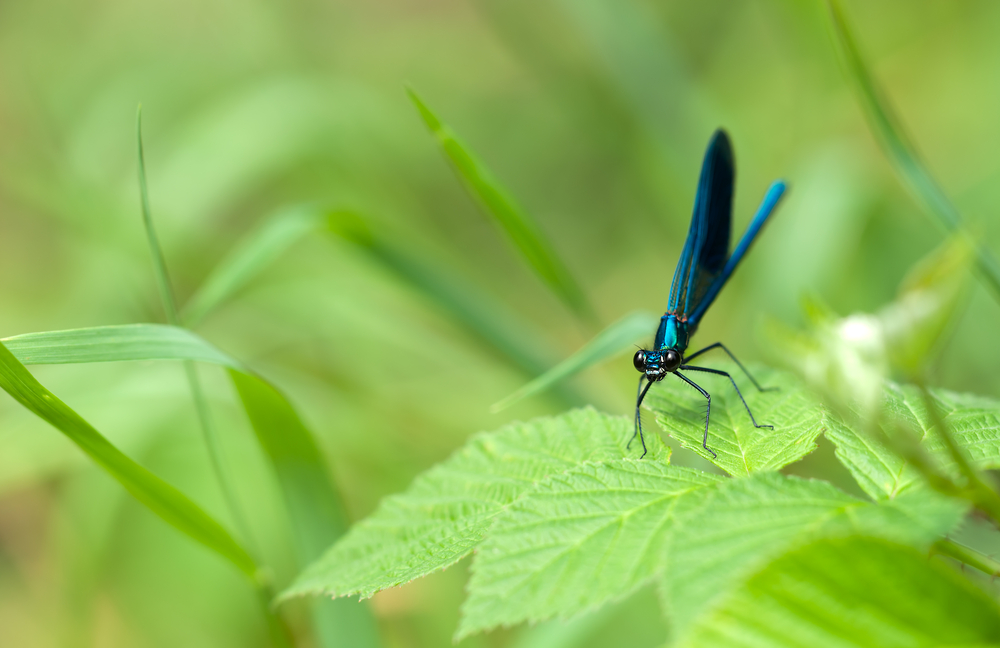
<point x="704" y="268"/>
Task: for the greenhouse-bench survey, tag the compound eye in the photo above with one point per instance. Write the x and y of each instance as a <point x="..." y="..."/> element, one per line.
<point x="671" y="359"/>
<point x="639" y="360"/>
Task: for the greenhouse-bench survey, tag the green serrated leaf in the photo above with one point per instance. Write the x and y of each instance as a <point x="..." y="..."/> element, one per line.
<point x="973" y="421"/>
<point x="608" y="343"/>
<point x="581" y="538"/>
<point x="851" y="593"/>
<point x="158" y="496"/>
<point x="599" y="531"/>
<point x="497" y="202"/>
<point x="742" y="449"/>
<point x="728" y="531"/>
<point x="448" y="510"/>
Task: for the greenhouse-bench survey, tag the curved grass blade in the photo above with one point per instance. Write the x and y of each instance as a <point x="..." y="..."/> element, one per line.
<point x="900" y="150"/>
<point x="259" y="250"/>
<point x="313" y="503"/>
<point x="158" y="496"/>
<point x="497" y="202"/>
<point x="115" y="343"/>
<point x="608" y="343"/>
<point x="487" y="320"/>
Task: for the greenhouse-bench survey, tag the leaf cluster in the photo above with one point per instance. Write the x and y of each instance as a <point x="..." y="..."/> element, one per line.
<point x="562" y="518"/>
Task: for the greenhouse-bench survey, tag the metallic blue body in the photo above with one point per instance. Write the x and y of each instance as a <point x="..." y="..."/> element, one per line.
<point x="672" y="334"/>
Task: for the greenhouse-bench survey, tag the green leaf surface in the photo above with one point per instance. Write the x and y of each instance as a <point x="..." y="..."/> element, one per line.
<point x="973" y="421"/>
<point x="259" y="250"/>
<point x="448" y="510"/>
<point x="157" y="495"/>
<point x="583" y="537"/>
<point x="610" y="342"/>
<point x="599" y="531"/>
<point x="851" y="592"/>
<point x="742" y="449"/>
<point x="899" y="148"/>
<point x="115" y="344"/>
<point x="726" y="533"/>
<point x="497" y="202"/>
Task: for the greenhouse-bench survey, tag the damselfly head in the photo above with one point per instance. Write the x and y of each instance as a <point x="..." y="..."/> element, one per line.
<point x="656" y="364"/>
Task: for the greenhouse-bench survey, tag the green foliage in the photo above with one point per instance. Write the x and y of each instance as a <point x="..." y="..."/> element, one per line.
<point x="733" y="528"/>
<point x="161" y="498"/>
<point x="972" y="421"/>
<point x="448" y="511"/>
<point x="901" y="151"/>
<point x="609" y="343"/>
<point x="559" y="529"/>
<point x="851" y="592"/>
<point x="577" y="540"/>
<point x="742" y="448"/>
<point x="497" y="202"/>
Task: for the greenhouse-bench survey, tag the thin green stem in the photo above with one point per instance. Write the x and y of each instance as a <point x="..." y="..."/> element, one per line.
<point x="280" y="635"/>
<point x="159" y="263"/>
<point x="967" y="556"/>
<point x="898" y="147"/>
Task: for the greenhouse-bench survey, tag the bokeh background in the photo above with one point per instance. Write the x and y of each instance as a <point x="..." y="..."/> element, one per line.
<point x="593" y="113"/>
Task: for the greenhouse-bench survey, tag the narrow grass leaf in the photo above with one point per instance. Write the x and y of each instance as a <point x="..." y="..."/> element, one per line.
<point x="468" y="306"/>
<point x="742" y="449"/>
<point x="162" y="499"/>
<point x="851" y="592"/>
<point x="973" y="422"/>
<point x="610" y="342"/>
<point x="115" y="344"/>
<point x="259" y="250"/>
<point x="448" y="510"/>
<point x="497" y="202"/>
<point x="314" y="505"/>
<point x="900" y="150"/>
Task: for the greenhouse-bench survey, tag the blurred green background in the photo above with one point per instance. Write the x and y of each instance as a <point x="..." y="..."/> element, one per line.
<point x="593" y="113"/>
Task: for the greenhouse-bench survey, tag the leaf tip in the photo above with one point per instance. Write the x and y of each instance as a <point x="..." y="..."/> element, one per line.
<point x="433" y="123"/>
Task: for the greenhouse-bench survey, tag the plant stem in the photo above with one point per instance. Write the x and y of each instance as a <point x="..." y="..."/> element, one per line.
<point x="280" y="635"/>
<point x="967" y="556"/>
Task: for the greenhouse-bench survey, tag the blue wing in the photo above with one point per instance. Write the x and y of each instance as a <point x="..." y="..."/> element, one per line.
<point x="707" y="247"/>
<point x="771" y="199"/>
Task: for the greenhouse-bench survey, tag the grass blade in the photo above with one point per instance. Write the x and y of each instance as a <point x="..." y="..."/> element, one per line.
<point x="312" y="501"/>
<point x="485" y="319"/>
<point x="115" y="343"/>
<point x="497" y="202"/>
<point x="608" y="343"/>
<point x="257" y="252"/>
<point x="158" y="496"/>
<point x="899" y="148"/>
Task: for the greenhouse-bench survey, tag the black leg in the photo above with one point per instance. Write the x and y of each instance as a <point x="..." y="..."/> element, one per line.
<point x="720" y="345"/>
<point x="738" y="393"/>
<point x="640" y="394"/>
<point x="708" y="411"/>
